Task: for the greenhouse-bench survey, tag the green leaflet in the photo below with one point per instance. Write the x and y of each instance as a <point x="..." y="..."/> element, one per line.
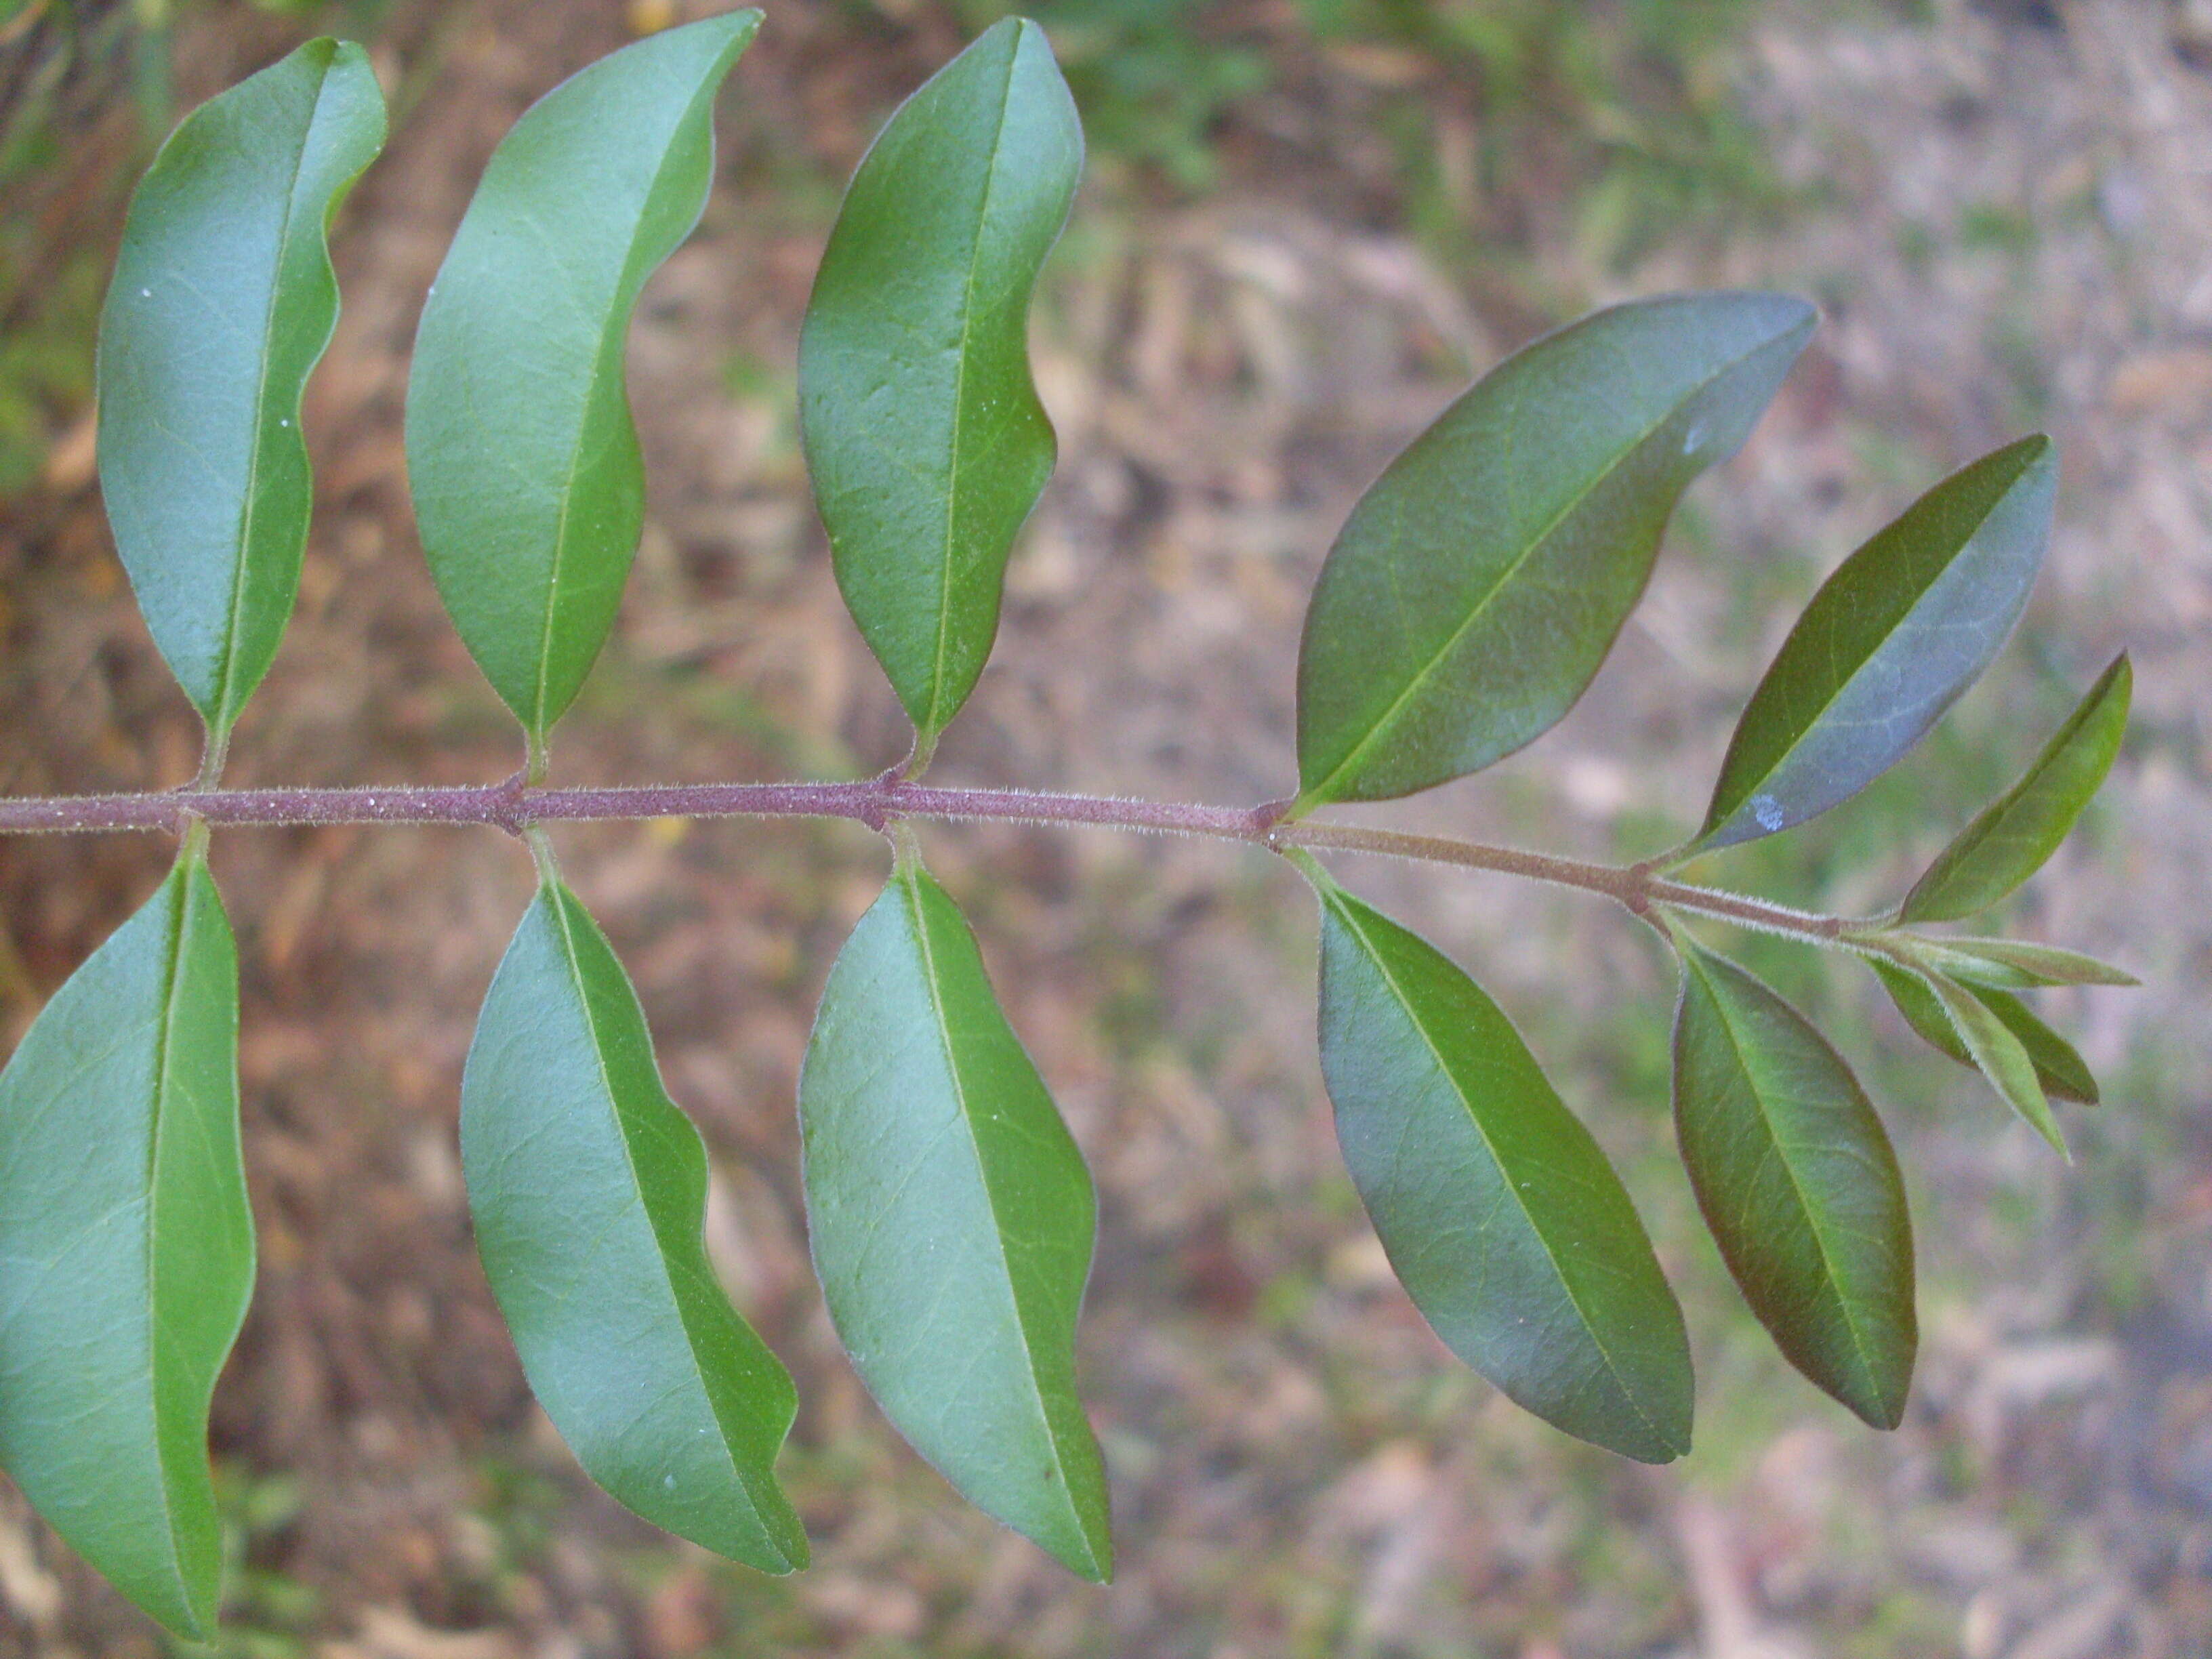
<point x="2001" y="1057"/>
<point x="922" y="430"/>
<point x="2057" y="1068"/>
<point x="222" y="303"/>
<point x="1798" y="1184"/>
<point x="588" y="1188"/>
<point x="524" y="464"/>
<point x="1506" y="1223"/>
<point x="952" y="1221"/>
<point x="126" y="1247"/>
<point x="2013" y="836"/>
<point x="1480" y="581"/>
<point x="1896" y="633"/>
<point x="2012" y="964"/>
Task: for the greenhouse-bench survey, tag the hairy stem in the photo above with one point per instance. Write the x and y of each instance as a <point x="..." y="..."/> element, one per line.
<point x="517" y="808"/>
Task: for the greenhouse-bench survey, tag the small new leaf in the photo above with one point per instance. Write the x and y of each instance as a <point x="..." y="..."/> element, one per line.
<point x="520" y="451"/>
<point x="221" y="304"/>
<point x="2012" y="964"/>
<point x="922" y="428"/>
<point x="1798" y="1183"/>
<point x="1500" y="1215"/>
<point x="127" y="1248"/>
<point x="2058" y="1067"/>
<point x="952" y="1221"/>
<point x="588" y="1189"/>
<point x="1479" y="584"/>
<point x="2011" y="839"/>
<point x="1896" y="633"/>
<point x="2001" y="1058"/>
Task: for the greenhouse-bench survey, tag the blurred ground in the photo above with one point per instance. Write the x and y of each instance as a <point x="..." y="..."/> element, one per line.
<point x="1306" y="227"/>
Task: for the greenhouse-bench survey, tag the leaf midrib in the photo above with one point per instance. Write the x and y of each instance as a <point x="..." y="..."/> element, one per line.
<point x="1443" y="1067"/>
<point x="909" y="878"/>
<point x="225" y="715"/>
<point x="1320" y="795"/>
<point x="932" y="724"/>
<point x="1720" y="816"/>
<point x="561" y="901"/>
<point x="1829" y="1277"/>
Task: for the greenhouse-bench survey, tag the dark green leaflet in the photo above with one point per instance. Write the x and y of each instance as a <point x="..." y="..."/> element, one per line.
<point x="923" y="431"/>
<point x="1896" y="633"/>
<point x="1504" y="1222"/>
<point x="2062" y="1074"/>
<point x="1798" y="1184"/>
<point x="588" y="1188"/>
<point x="521" y="452"/>
<point x="2010" y="841"/>
<point x="952" y="1221"/>
<point x="1479" y="584"/>
<point x="221" y="304"/>
<point x="126" y="1247"/>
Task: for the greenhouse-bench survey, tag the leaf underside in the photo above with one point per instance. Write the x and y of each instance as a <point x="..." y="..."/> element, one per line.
<point x="1897" y="632"/>
<point x="952" y="1221"/>
<point x="522" y="454"/>
<point x="1502" y="1219"/>
<point x="1479" y="584"/>
<point x="127" y="1248"/>
<point x="588" y="1189"/>
<point x="222" y="303"/>
<point x="2001" y="1057"/>
<point x="1799" y="1186"/>
<point x="923" y="432"/>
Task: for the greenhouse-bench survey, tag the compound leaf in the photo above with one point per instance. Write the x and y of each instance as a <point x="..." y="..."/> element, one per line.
<point x="588" y="1188"/>
<point x="2013" y="836"/>
<point x="2058" y="1067"/>
<point x="1500" y="1215"/>
<point x="1896" y="633"/>
<point x="952" y="1221"/>
<point x="1798" y="1183"/>
<point x="520" y="451"/>
<point x="222" y="301"/>
<point x="1480" y="581"/>
<point x="126" y="1247"/>
<point x="2001" y="1056"/>
<point x="922" y="429"/>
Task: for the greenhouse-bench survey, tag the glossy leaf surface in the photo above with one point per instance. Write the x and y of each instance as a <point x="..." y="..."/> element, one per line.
<point x="2058" y="1067"/>
<point x="922" y="428"/>
<point x="520" y="451"/>
<point x="222" y="303"/>
<point x="2001" y="1056"/>
<point x="1798" y="1183"/>
<point x="588" y="1188"/>
<point x="1501" y="1216"/>
<point x="2011" y="839"/>
<point x="127" y="1248"/>
<point x="1896" y="633"/>
<point x="952" y="1221"/>
<point x="1480" y="581"/>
